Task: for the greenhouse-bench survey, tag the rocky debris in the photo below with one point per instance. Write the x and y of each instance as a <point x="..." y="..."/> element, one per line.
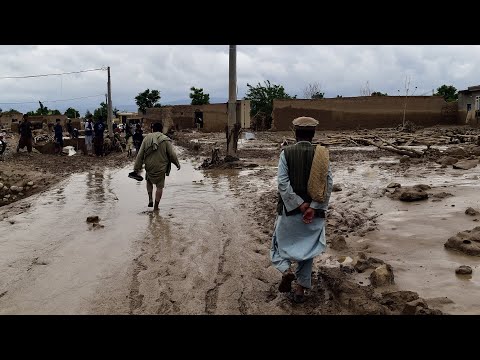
<point x="396" y="300"/>
<point x="393" y="185"/>
<point x="362" y="263"/>
<point x="1" y="185"/>
<point x="465" y="164"/>
<point x="93" y="219"/>
<point x="357" y="299"/>
<point x="412" y="307"/>
<point x="338" y="242"/>
<point x="405" y="159"/>
<point x="14" y="189"/>
<point x="471" y="211"/>
<point x="97" y="226"/>
<point x="463" y="270"/>
<point x="20" y="194"/>
<point x="30" y="183"/>
<point x="349" y="269"/>
<point x="382" y="275"/>
<point x="441" y="195"/>
<point x="456" y="151"/>
<point x="467" y="241"/>
<point x="413" y="194"/>
<point x="422" y="187"/>
<point x="336" y="187"/>
<point x="446" y="160"/>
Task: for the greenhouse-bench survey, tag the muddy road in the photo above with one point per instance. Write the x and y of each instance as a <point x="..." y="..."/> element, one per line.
<point x="198" y="255"/>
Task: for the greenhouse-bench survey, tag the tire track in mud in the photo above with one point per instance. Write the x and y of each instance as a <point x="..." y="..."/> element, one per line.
<point x="211" y="297"/>
<point x="135" y="298"/>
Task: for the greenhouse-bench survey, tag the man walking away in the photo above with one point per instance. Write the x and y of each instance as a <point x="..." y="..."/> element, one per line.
<point x="299" y="233"/>
<point x="58" y="137"/>
<point x="138" y="138"/>
<point x="98" y="129"/>
<point x="157" y="153"/>
<point x="25" y="131"/>
<point x="89" y="135"/>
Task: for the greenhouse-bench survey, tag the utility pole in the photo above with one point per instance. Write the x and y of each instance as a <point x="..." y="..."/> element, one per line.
<point x="109" y="106"/>
<point x="232" y="126"/>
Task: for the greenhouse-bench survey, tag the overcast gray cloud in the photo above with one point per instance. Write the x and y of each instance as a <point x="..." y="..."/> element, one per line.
<point x="173" y="69"/>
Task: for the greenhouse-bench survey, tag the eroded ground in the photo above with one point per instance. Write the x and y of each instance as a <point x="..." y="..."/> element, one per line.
<point x="207" y="251"/>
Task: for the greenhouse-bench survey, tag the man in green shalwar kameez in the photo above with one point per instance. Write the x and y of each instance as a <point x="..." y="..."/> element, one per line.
<point x="157" y="153"/>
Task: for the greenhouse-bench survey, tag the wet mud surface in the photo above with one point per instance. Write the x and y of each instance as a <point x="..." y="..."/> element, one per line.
<point x="207" y="250"/>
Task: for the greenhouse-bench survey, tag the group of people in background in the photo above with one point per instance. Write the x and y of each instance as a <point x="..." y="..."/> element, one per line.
<point x="94" y="136"/>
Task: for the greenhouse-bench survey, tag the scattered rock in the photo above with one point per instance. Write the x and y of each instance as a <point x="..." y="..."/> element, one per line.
<point x="467" y="241"/>
<point x="471" y="211"/>
<point x="404" y="159"/>
<point x="347" y="268"/>
<point x="413" y="195"/>
<point x="7" y="196"/>
<point x="446" y="160"/>
<point x="456" y="151"/>
<point x="465" y="164"/>
<point x="394" y="185"/>
<point x="13" y="188"/>
<point x="338" y="242"/>
<point x="34" y="186"/>
<point x="97" y="226"/>
<point x="382" y="275"/>
<point x="422" y="187"/>
<point x="93" y="219"/>
<point x="21" y="194"/>
<point x="30" y="183"/>
<point x="336" y="187"/>
<point x="441" y="195"/>
<point x="361" y="263"/>
<point x="1" y="185"/>
<point x="463" y="270"/>
<point x="396" y="300"/>
<point x="412" y="307"/>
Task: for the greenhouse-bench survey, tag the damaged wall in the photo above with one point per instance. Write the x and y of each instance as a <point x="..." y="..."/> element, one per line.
<point x="366" y="112"/>
<point x="215" y="116"/>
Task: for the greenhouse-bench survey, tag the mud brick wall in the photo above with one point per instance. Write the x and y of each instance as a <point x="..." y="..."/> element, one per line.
<point x="365" y="112"/>
<point x="183" y="117"/>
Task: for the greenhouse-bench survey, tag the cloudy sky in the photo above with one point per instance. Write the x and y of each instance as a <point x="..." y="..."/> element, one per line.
<point x="173" y="69"/>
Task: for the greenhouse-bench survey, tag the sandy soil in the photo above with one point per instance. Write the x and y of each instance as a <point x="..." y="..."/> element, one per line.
<point x="207" y="252"/>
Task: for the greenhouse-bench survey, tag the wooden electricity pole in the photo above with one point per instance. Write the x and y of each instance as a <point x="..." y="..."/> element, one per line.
<point x="109" y="106"/>
<point x="232" y="127"/>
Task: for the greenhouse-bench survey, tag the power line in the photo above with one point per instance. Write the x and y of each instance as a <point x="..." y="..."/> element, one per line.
<point x="56" y="74"/>
<point x="46" y="101"/>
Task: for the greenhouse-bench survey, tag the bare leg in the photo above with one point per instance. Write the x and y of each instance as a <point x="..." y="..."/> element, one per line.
<point x="150" y="190"/>
<point x="158" y="196"/>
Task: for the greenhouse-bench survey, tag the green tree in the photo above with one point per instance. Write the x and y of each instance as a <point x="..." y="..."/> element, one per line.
<point x="261" y="100"/>
<point x="198" y="97"/>
<point x="339" y="96"/>
<point x="378" y="93"/>
<point x="318" y="95"/>
<point x="101" y="112"/>
<point x="72" y="113"/>
<point x="147" y="99"/>
<point x="448" y="92"/>
<point x="31" y="113"/>
<point x="88" y="114"/>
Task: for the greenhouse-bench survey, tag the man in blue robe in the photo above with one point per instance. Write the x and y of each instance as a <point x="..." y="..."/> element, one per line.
<point x="299" y="233"/>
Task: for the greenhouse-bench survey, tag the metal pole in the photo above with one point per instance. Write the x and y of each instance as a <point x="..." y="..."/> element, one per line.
<point x="109" y="106"/>
<point x="232" y="100"/>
